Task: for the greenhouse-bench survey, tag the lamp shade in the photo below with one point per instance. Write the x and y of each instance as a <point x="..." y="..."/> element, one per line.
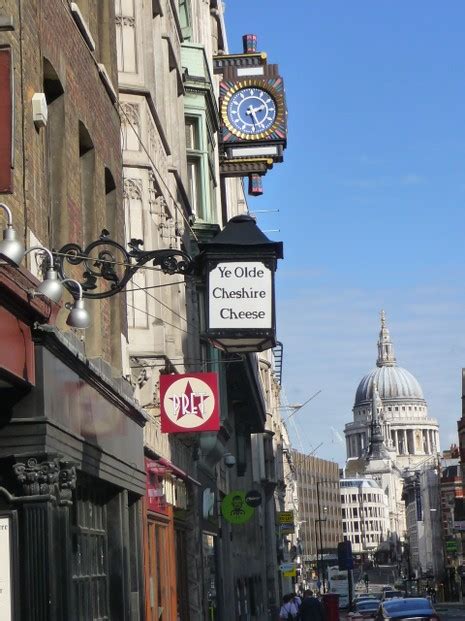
<point x="11" y="249"/>
<point x="51" y="287"/>
<point x="78" y="316"/>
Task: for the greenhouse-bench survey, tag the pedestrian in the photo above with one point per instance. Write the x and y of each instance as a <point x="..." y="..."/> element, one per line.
<point x="311" y="609"/>
<point x="296" y="600"/>
<point x="288" y="610"/>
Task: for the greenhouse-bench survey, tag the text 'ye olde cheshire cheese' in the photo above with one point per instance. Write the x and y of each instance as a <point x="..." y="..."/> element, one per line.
<point x="240" y="295"/>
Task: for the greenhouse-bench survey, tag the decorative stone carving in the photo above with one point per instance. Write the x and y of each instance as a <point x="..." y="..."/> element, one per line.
<point x="125" y="20"/>
<point x="156" y="150"/>
<point x="156" y="394"/>
<point x="132" y="189"/>
<point x="131" y="113"/>
<point x="50" y="476"/>
<point x="67" y="480"/>
<point x="130" y="126"/>
<point x="143" y="377"/>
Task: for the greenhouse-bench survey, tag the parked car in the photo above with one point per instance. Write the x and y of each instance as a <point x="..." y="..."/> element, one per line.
<point x="392" y="594"/>
<point x="360" y="596"/>
<point x="367" y="608"/>
<point x="407" y="609"/>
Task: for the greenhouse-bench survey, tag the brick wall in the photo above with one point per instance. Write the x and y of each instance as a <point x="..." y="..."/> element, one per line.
<point x="46" y="29"/>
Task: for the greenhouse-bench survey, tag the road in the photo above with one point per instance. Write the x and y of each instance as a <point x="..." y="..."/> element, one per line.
<point x="451" y="613"/>
<point x="446" y="613"/>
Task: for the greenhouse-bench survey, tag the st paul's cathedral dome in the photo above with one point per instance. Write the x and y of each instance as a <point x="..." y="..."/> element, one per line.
<point x="408" y="431"/>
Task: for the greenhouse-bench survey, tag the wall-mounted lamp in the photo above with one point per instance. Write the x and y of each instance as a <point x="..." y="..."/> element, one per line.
<point x="11" y="248"/>
<point x="229" y="460"/>
<point x="12" y="251"/>
<point x="78" y="317"/>
<point x="51" y="286"/>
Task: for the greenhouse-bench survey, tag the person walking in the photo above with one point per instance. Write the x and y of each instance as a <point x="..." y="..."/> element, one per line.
<point x="311" y="608"/>
<point x="288" y="610"/>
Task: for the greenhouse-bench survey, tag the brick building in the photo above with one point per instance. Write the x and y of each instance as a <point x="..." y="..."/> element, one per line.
<point x="71" y="452"/>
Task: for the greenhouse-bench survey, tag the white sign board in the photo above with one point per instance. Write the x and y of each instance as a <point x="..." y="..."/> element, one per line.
<point x="5" y="570"/>
<point x="241" y="296"/>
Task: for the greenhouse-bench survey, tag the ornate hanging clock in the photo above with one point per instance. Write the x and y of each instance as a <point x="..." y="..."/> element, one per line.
<point x="253" y="110"/>
<point x="252" y="113"/>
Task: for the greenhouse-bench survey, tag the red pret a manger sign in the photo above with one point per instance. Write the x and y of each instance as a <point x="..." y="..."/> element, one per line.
<point x="189" y="403"/>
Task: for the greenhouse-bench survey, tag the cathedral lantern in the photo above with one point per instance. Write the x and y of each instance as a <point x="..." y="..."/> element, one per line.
<point x="239" y="265"/>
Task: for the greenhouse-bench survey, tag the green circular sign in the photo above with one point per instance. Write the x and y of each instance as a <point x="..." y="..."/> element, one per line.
<point x="234" y="508"/>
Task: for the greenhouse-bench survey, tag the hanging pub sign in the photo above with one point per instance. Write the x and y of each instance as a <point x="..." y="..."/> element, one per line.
<point x="189" y="403"/>
<point x="240" y="263"/>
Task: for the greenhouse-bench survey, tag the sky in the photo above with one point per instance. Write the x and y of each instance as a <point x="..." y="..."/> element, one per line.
<point x="371" y="199"/>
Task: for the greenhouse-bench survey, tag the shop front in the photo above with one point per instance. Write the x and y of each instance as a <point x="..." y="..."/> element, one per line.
<point x="166" y="541"/>
<point x="72" y="478"/>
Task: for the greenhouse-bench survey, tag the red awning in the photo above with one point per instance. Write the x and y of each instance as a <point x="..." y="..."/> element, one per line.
<point x="162" y="466"/>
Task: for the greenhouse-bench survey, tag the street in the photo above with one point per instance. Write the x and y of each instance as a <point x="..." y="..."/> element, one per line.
<point x="450" y="612"/>
<point x="446" y="612"/>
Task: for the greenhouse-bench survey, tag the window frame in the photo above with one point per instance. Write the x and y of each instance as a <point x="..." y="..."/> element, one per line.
<point x="203" y="155"/>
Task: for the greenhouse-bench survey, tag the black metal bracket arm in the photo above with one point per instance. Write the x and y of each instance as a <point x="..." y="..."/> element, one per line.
<point x="108" y="260"/>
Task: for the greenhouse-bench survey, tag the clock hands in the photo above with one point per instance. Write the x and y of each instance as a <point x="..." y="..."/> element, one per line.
<point x="251" y="111"/>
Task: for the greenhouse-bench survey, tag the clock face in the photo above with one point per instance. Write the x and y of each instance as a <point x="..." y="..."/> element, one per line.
<point x="251" y="111"/>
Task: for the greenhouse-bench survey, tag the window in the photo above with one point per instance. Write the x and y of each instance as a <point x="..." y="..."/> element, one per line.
<point x="181" y="575"/>
<point x="200" y="168"/>
<point x="90" y="551"/>
<point x="185" y="19"/>
<point x="87" y="170"/>
<point x="194" y="164"/>
<point x="125" y="14"/>
<point x="54" y="155"/>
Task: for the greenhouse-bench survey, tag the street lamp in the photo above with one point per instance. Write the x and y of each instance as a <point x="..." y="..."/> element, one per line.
<point x="319" y="550"/>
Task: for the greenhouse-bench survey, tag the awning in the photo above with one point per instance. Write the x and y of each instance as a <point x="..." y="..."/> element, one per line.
<point x="162" y="466"/>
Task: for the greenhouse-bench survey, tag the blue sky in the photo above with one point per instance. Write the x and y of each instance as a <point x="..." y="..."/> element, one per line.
<point x="371" y="198"/>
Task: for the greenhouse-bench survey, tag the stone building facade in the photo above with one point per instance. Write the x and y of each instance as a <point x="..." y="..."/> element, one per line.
<point x="174" y="197"/>
<point x="365" y="515"/>
<point x="320" y="514"/>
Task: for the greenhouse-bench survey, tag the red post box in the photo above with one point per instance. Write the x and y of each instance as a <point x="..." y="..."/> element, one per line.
<point x="331" y="606"/>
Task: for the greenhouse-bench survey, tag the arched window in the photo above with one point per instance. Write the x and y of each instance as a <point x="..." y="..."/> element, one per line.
<point x="87" y="170"/>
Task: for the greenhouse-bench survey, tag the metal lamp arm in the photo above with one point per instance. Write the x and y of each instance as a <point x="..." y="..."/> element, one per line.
<point x="102" y="257"/>
<point x="78" y="285"/>
<point x="43" y="250"/>
<point x="9" y="215"/>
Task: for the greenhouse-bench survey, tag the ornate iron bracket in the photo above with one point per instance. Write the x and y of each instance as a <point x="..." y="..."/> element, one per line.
<point x="106" y="259"/>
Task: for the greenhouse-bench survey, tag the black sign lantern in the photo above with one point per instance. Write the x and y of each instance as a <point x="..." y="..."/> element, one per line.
<point x="240" y="263"/>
